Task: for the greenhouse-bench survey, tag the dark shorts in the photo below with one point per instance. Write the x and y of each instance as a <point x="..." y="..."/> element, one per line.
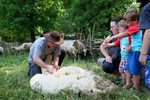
<point x="145" y="17"/>
<point x="34" y="69"/>
<point x="111" y="67"/>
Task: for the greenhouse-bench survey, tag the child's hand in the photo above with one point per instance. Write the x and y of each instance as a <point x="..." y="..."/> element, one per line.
<point x="129" y="48"/>
<point x="105" y="45"/>
<point x="108" y="39"/>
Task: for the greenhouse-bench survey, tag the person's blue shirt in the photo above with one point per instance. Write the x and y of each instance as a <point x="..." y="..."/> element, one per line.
<point x="124" y="43"/>
<point x="137" y="41"/>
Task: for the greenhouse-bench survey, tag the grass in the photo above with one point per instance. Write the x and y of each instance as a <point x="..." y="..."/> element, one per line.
<point x="14" y="82"/>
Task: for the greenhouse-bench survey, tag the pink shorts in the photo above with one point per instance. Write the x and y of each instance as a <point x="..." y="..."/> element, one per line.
<point x="122" y="66"/>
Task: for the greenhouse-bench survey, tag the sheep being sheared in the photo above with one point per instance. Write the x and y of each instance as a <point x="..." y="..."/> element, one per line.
<point x="71" y="78"/>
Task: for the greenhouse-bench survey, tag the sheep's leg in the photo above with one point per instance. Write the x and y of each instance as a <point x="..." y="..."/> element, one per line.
<point x="79" y="58"/>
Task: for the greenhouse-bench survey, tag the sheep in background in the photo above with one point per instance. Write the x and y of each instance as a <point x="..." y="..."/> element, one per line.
<point x="71" y="78"/>
<point x="80" y="48"/>
<point x="26" y="46"/>
<point x="68" y="47"/>
<point x="22" y="47"/>
<point x="7" y="46"/>
<point x="1" y="50"/>
<point x="15" y="50"/>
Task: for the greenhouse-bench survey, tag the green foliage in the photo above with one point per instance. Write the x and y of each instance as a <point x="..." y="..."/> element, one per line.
<point x="22" y="18"/>
<point x="87" y="16"/>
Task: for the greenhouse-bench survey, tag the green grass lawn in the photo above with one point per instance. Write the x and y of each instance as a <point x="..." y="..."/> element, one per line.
<point x="14" y="83"/>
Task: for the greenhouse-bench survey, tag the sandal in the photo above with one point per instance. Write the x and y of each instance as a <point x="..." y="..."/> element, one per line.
<point x="139" y="90"/>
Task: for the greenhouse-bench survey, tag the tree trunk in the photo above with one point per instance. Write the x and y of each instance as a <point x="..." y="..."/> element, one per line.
<point x="31" y="28"/>
<point x="93" y="29"/>
<point x="32" y="34"/>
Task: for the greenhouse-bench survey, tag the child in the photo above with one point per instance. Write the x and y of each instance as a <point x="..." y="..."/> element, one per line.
<point x="133" y="66"/>
<point x="125" y="44"/>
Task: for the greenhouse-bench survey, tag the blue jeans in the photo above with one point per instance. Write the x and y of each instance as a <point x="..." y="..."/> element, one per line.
<point x="34" y="69"/>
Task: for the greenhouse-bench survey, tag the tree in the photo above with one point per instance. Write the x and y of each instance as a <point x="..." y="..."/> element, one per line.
<point x="22" y="18"/>
<point x="92" y="16"/>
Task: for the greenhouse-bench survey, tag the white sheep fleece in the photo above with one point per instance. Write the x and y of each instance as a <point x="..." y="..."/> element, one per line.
<point x="70" y="78"/>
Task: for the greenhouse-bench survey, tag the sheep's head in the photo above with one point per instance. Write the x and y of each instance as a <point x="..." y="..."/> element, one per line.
<point x="84" y="52"/>
<point x="13" y="49"/>
<point x="75" y="43"/>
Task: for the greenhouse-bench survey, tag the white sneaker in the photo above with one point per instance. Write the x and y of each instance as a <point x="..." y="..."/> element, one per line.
<point x="100" y="60"/>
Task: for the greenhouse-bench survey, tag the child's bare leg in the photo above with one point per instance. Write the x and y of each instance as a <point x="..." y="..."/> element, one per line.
<point x="136" y="81"/>
<point x="128" y="78"/>
<point x="123" y="78"/>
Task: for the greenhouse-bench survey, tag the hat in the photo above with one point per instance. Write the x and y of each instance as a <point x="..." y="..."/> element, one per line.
<point x="55" y="37"/>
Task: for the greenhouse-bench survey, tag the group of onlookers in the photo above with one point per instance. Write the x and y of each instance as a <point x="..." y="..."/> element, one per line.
<point x="125" y="50"/>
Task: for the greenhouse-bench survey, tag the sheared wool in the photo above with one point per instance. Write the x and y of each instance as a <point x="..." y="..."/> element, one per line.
<point x="71" y="78"/>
